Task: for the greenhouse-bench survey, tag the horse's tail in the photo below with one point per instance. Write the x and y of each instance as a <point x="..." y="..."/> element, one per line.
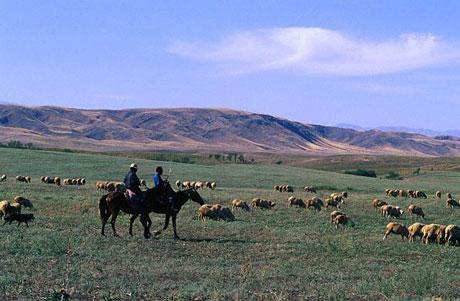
<point x="103" y="208"/>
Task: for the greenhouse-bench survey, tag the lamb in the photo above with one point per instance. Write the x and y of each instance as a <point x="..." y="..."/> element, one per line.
<point x="332" y="203"/>
<point x="412" y="209"/>
<point x="263" y="204"/>
<point x="398" y="229"/>
<point x="438" y="194"/>
<point x="23" y="201"/>
<point x="429" y="232"/>
<point x="3" y="178"/>
<point x="452" y="234"/>
<point x="309" y="189"/>
<point x="237" y="203"/>
<point x="451" y="203"/>
<point x="378" y="203"/>
<point x="334" y="214"/>
<point x="391" y="211"/>
<point x="342" y="219"/>
<point x="20" y="218"/>
<point x="415" y="230"/>
<point x="316" y="203"/>
<point x="293" y="201"/>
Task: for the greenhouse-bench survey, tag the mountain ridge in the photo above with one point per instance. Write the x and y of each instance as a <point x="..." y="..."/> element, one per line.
<point x="201" y="129"/>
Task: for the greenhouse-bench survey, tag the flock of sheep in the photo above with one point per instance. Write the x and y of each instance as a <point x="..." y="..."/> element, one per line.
<point x="196" y="184"/>
<point x="427" y="232"/>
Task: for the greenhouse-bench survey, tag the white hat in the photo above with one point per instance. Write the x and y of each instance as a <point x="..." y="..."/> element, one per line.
<point x="133" y="165"/>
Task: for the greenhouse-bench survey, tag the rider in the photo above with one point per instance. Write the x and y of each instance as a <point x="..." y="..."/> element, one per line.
<point x="160" y="185"/>
<point x="133" y="183"/>
<point x="157" y="179"/>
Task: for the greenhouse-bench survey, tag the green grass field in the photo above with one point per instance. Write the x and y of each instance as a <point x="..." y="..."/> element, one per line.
<point x="282" y="254"/>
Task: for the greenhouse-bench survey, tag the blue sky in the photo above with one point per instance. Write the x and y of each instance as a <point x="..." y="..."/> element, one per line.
<point x="369" y="63"/>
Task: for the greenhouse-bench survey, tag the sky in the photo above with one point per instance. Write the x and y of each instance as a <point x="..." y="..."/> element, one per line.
<point x="367" y="63"/>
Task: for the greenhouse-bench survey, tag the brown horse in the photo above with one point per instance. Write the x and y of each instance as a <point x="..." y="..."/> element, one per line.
<point x="112" y="203"/>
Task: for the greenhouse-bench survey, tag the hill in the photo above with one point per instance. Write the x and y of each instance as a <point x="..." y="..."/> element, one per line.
<point x="190" y="129"/>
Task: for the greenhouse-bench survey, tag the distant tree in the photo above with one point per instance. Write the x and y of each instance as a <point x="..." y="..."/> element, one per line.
<point x="362" y="172"/>
<point x="393" y="175"/>
<point x="416" y="172"/>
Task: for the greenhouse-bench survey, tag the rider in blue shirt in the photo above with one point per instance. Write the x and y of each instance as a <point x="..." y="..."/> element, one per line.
<point x="157" y="180"/>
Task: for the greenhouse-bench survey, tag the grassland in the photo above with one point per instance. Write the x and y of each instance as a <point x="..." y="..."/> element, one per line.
<point x="282" y="254"/>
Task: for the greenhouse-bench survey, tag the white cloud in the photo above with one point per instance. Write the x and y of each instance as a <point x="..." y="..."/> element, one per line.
<point x="320" y="51"/>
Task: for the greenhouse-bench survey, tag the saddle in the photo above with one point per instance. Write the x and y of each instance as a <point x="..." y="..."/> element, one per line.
<point x="134" y="200"/>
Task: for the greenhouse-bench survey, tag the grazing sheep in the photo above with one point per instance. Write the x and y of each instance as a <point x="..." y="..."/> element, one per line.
<point x="82" y="181"/>
<point x="186" y="184"/>
<point x="415" y="230"/>
<point x="439" y="234"/>
<point x="143" y="183"/>
<point x="412" y="209"/>
<point x="334" y="214"/>
<point x="449" y="196"/>
<point x="237" y="203"/>
<point x="342" y="219"/>
<point x="276" y="188"/>
<point x="438" y="194"/>
<point x="391" y="211"/>
<point x="23" y="179"/>
<point x="23" y="201"/>
<point x="215" y="212"/>
<point x="4" y="207"/>
<point x="411" y="193"/>
<point x="387" y="191"/>
<point x="309" y="189"/>
<point x="316" y="203"/>
<point x="263" y="204"/>
<point x="451" y="203"/>
<point x="420" y="194"/>
<point x="429" y="232"/>
<point x="452" y="234"/>
<point x="57" y="181"/>
<point x="393" y="193"/>
<point x="293" y="201"/>
<point x="178" y="184"/>
<point x="397" y="229"/>
<point x="213" y="185"/>
<point x="344" y="194"/>
<point x="402" y="193"/>
<point x="3" y="178"/>
<point x="378" y="203"/>
<point x="332" y="203"/>
<point x="7" y="208"/>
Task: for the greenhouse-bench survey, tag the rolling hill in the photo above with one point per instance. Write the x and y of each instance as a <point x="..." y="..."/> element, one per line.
<point x="190" y="129"/>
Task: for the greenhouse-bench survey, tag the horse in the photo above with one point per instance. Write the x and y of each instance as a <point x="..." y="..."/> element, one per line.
<point x="112" y="203"/>
<point x="169" y="210"/>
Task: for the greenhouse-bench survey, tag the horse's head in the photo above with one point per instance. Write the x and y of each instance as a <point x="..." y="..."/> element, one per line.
<point x="193" y="195"/>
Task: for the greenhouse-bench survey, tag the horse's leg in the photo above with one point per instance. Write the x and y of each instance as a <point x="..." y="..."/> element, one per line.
<point x="113" y="220"/>
<point x="157" y="232"/>
<point x="104" y="221"/>
<point x="174" y="226"/>
<point x="131" y="221"/>
<point x="145" y="222"/>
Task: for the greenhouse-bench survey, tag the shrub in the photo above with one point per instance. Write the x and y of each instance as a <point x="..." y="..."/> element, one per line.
<point x="393" y="175"/>
<point x="362" y="172"/>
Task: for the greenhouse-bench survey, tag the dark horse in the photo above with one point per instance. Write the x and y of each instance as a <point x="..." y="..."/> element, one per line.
<point x="111" y="204"/>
